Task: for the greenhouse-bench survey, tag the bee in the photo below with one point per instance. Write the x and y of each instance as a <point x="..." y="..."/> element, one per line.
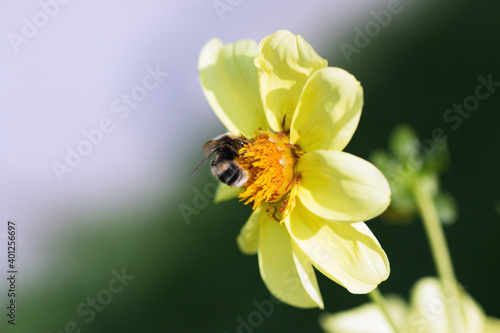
<point x="225" y="165"/>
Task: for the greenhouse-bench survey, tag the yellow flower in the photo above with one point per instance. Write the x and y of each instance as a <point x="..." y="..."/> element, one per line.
<point x="309" y="197"/>
<point x="426" y="313"/>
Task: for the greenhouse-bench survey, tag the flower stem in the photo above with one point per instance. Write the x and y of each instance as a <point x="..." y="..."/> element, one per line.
<point x="441" y="254"/>
<point x="377" y="298"/>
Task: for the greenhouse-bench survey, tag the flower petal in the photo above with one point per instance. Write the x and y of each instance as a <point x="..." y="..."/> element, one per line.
<point x="248" y="239"/>
<point x="492" y="325"/>
<point x="285" y="61"/>
<point x="429" y="301"/>
<point x="225" y="192"/>
<point x="341" y="187"/>
<point x="229" y="80"/>
<point x="349" y="254"/>
<point x="367" y="318"/>
<point x="328" y="111"/>
<point x="307" y="276"/>
<point x="285" y="271"/>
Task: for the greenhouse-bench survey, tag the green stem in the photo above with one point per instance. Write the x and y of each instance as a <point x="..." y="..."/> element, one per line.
<point x="441" y="254"/>
<point x="377" y="298"/>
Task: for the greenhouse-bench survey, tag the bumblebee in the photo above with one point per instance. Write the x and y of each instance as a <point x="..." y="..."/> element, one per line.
<point x="225" y="165"/>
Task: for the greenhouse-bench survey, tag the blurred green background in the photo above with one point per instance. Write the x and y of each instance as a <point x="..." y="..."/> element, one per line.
<point x="190" y="277"/>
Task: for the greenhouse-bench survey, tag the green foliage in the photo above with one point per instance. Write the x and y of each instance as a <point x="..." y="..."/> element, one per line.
<point x="408" y="161"/>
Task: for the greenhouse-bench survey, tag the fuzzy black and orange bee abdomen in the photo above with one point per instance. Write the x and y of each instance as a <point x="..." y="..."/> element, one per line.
<point x="228" y="172"/>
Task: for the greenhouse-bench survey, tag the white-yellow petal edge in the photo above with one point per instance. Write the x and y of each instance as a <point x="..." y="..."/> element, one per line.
<point x="284" y="270"/>
<point x="492" y="325"/>
<point x="367" y="318"/>
<point x="228" y="77"/>
<point x="428" y="304"/>
<point x="328" y="111"/>
<point x="285" y="61"/>
<point x="349" y="254"/>
<point x="341" y="187"/>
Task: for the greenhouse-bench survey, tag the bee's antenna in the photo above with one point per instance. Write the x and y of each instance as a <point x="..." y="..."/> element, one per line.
<point x="199" y="165"/>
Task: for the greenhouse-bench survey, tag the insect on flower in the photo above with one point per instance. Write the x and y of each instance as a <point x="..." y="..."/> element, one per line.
<point x="225" y="166"/>
<point x="289" y="117"/>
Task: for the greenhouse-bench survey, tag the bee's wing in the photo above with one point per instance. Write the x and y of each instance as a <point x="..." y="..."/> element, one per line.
<point x="210" y="147"/>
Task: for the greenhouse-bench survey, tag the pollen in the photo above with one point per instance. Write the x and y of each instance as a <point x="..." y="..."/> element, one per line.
<point x="270" y="160"/>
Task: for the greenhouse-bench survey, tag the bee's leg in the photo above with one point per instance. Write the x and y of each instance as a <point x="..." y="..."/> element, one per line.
<point x="246" y="140"/>
<point x="249" y="141"/>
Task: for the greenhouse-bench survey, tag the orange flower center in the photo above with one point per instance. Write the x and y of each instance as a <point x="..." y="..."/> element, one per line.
<point x="269" y="160"/>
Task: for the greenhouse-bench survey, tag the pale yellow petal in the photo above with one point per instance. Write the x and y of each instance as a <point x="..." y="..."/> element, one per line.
<point x="307" y="275"/>
<point x="285" y="271"/>
<point x="328" y="111"/>
<point x="341" y="187"/>
<point x="229" y="80"/>
<point x="427" y="294"/>
<point x="285" y="61"/>
<point x="349" y="254"/>
<point x="367" y="318"/>
<point x="474" y="316"/>
<point x="492" y="325"/>
<point x="225" y="192"/>
<point x="248" y="239"/>
<point x="429" y="302"/>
